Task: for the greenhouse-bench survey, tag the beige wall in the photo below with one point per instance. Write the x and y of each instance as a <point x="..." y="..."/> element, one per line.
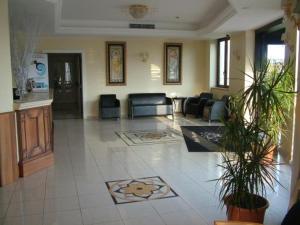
<point x="237" y="61"/>
<point x="291" y="36"/>
<point x="141" y="76"/>
<point x="291" y="144"/>
<point x="241" y="57"/>
<point x="6" y="99"/>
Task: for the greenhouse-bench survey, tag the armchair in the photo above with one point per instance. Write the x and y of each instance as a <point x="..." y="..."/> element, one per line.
<point x="109" y="106"/>
<point x="216" y="110"/>
<point x="195" y="105"/>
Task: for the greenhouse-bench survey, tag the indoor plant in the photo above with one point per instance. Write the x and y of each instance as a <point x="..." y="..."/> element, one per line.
<point x="258" y="115"/>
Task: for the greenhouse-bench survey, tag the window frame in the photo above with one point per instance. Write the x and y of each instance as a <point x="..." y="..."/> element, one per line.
<point x="226" y="83"/>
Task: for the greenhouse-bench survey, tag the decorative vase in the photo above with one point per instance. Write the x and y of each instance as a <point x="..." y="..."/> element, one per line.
<point x="21" y="82"/>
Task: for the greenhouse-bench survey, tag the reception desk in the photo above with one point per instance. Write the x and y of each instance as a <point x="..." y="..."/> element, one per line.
<point x="34" y="132"/>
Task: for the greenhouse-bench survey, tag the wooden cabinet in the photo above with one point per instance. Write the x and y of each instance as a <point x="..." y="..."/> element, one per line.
<point x="35" y="134"/>
<point x="235" y="223"/>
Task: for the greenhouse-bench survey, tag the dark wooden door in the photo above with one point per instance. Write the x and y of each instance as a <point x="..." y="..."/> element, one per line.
<point x="65" y="80"/>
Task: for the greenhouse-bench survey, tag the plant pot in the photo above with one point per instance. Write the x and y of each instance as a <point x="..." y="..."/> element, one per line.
<point x="242" y="214"/>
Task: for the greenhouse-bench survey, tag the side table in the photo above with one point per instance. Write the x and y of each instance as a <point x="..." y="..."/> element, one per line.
<point x="181" y="99"/>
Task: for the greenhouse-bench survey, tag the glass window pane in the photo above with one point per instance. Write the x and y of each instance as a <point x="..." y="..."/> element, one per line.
<point x="276" y="53"/>
<point x="228" y="62"/>
<point x="221" y="62"/>
<point x="67" y="73"/>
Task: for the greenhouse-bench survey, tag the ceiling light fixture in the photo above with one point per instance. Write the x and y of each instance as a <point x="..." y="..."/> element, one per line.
<point x="138" y="11"/>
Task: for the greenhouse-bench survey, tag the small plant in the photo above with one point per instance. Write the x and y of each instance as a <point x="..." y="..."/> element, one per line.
<point x="259" y="114"/>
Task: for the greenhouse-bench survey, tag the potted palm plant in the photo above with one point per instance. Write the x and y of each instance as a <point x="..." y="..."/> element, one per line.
<point x="259" y="114"/>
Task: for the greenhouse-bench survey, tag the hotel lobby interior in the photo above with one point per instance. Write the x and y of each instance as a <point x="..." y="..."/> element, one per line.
<point x="125" y="112"/>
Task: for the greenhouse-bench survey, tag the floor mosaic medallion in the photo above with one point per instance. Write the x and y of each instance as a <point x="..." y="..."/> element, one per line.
<point x="137" y="190"/>
<point x="143" y="137"/>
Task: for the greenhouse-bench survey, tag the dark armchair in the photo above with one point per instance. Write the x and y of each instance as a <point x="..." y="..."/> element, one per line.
<point x="216" y="110"/>
<point x="109" y="106"/>
<point x="195" y="105"/>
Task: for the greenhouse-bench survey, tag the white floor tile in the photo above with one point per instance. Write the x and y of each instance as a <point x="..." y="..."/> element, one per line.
<point x="25" y="220"/>
<point x="111" y="223"/>
<point x="88" y="153"/>
<point x="168" y="205"/>
<point x="136" y="210"/>
<point x="29" y="194"/>
<point x="61" y="191"/>
<point x="95" y="200"/>
<point x="90" y="188"/>
<point x="25" y="208"/>
<point x="5" y="197"/>
<point x="145" y="220"/>
<point x="100" y="215"/>
<point x="3" y="209"/>
<point x="190" y="218"/>
<point x="63" y="218"/>
<point x="61" y="204"/>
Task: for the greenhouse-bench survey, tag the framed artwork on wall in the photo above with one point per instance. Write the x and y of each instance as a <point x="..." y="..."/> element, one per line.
<point x="172" y="63"/>
<point x="115" y="63"/>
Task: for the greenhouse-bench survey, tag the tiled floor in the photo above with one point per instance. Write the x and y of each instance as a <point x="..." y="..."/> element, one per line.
<point x="88" y="153"/>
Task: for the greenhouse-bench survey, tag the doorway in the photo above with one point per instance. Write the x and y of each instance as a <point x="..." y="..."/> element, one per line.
<point x="65" y="78"/>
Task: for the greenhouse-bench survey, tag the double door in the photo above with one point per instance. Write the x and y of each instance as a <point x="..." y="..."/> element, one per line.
<point x="65" y="80"/>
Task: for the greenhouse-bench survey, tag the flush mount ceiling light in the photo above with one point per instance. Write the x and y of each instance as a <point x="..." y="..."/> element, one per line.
<point x="138" y="11"/>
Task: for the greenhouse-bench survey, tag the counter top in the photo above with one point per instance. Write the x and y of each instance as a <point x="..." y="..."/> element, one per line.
<point x="34" y="99"/>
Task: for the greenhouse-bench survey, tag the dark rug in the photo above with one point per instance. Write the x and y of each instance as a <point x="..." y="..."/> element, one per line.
<point x="202" y="138"/>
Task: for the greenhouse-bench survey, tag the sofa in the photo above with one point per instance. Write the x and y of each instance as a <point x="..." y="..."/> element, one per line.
<point x="195" y="105"/>
<point x="149" y="104"/>
<point x="109" y="106"/>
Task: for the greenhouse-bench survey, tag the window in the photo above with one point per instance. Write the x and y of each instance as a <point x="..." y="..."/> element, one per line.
<point x="269" y="45"/>
<point x="223" y="58"/>
<point x="275" y="53"/>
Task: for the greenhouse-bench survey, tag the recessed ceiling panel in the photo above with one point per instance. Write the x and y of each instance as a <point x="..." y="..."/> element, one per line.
<point x="163" y="11"/>
<point x="172" y="18"/>
<point x="245" y="18"/>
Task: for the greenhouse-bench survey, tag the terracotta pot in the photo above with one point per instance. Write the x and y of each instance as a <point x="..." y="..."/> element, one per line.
<point x="241" y="214"/>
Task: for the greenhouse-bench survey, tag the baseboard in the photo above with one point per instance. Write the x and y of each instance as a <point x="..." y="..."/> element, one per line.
<point x="30" y="167"/>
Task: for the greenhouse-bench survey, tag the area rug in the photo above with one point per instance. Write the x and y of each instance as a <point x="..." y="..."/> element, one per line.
<point x="137" y="190"/>
<point x="202" y="138"/>
<point x="144" y="137"/>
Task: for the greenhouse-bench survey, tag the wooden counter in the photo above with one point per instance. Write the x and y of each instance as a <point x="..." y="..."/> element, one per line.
<point x="8" y="149"/>
<point x="35" y="132"/>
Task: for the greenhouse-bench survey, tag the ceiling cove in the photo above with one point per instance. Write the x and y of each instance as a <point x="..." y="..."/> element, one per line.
<point x="193" y="19"/>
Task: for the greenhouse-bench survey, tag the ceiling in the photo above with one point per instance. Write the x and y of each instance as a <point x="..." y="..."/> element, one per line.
<point x="196" y="19"/>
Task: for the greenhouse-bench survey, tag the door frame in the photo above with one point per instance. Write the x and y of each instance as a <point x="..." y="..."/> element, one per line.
<point x="83" y="73"/>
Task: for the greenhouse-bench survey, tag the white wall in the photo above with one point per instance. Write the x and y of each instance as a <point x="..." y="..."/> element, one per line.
<point x="141" y="76"/>
<point x="6" y="98"/>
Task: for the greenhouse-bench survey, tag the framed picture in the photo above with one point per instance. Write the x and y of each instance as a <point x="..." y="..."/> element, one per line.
<point x="172" y="63"/>
<point x="115" y="63"/>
